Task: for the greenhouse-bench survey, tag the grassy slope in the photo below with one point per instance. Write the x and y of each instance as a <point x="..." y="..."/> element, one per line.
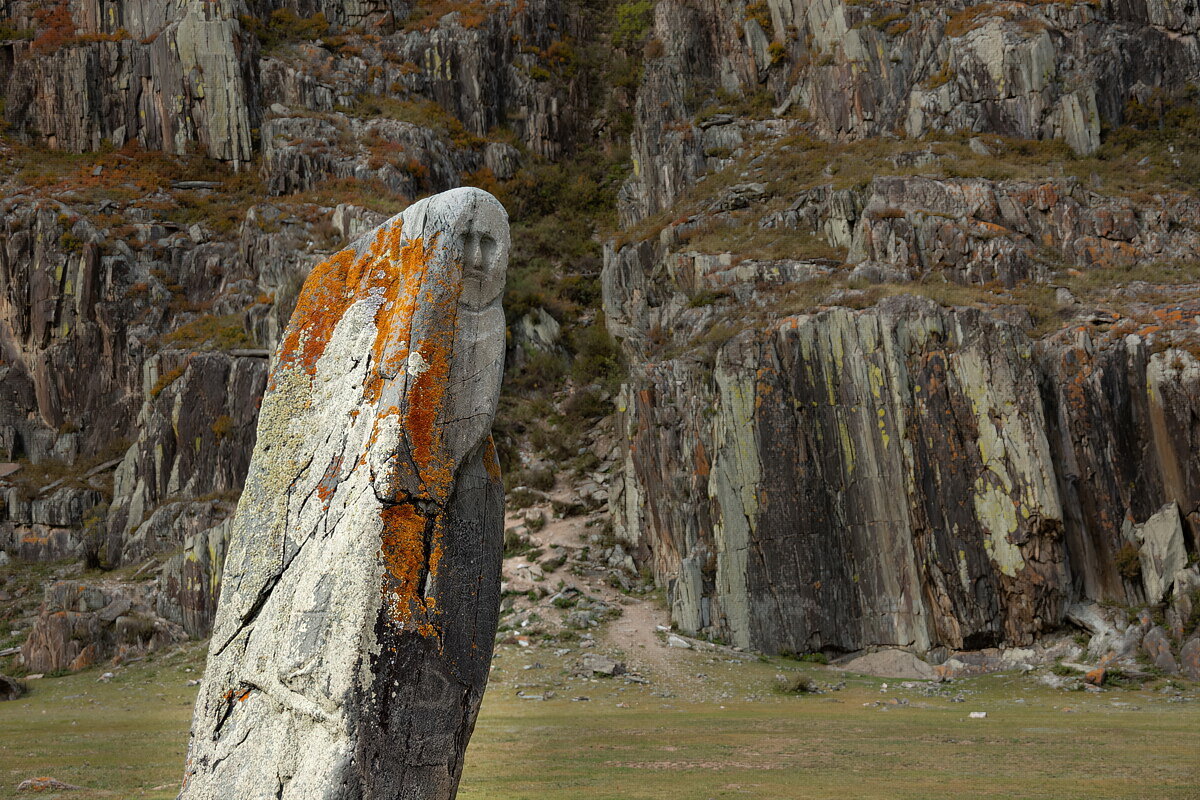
<point x="127" y="737"/>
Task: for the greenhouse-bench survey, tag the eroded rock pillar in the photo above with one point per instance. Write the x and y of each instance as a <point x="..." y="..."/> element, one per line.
<point x="361" y="590"/>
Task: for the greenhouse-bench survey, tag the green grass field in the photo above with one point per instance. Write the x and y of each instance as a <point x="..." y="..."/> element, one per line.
<point x="723" y="735"/>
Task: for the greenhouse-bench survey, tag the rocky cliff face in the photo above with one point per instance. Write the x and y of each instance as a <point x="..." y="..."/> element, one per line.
<point x="814" y="463"/>
<point x="852" y="70"/>
<point x="904" y="475"/>
<point x="199" y="414"/>
<point x="906" y="294"/>
<point x="873" y="477"/>
<point x="173" y="171"/>
<point x="170" y="76"/>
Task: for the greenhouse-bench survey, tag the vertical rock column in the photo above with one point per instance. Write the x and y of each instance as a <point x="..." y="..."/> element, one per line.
<point x="361" y="591"/>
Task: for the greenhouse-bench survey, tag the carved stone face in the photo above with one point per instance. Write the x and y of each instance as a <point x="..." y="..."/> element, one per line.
<point x="442" y="342"/>
<point x="484" y="257"/>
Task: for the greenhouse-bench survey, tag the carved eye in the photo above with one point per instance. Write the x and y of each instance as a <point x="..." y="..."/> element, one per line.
<point x="470" y="253"/>
<point x="487" y="248"/>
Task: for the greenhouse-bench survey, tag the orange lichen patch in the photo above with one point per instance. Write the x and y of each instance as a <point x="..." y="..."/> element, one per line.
<point x="86" y="658"/>
<point x="435" y="557"/>
<point x="232" y="695"/>
<point x="329" y="480"/>
<point x="491" y="462"/>
<point x="334" y="285"/>
<point x="1041" y="197"/>
<point x="323" y="301"/>
<point x="393" y="242"/>
<point x="426" y="360"/>
<point x="424" y="403"/>
<point x="393" y="321"/>
<point x="1103" y="253"/>
<point x="1172" y="314"/>
<point x="989" y="229"/>
<point x="1078" y="364"/>
<point x="703" y="468"/>
<point x="402" y="550"/>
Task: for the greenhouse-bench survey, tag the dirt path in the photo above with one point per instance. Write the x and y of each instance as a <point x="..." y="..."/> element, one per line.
<point x="635" y="635"/>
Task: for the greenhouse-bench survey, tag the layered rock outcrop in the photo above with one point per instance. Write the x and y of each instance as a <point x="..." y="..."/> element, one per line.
<point x="172" y="78"/>
<point x="52" y="525"/>
<point x="191" y="580"/>
<point x="195" y="432"/>
<point x="1122" y="439"/>
<point x="880" y="477"/>
<point x="902" y="475"/>
<point x="811" y="463"/>
<point x="84" y="624"/>
<point x="790" y="162"/>
<point x="852" y="70"/>
<point x="361" y="588"/>
<point x="188" y="75"/>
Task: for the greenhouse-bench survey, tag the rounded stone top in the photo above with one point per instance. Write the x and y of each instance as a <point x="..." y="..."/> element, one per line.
<point x="472" y="228"/>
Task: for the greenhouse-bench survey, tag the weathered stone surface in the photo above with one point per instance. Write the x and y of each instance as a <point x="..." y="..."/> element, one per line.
<point x="81" y="624"/>
<point x="537" y="330"/>
<point x="474" y="65"/>
<point x="602" y="665"/>
<point x="46" y="785"/>
<point x="1034" y="71"/>
<point x="1110" y="630"/>
<point x="1157" y="645"/>
<point x="48" y="526"/>
<point x="1162" y="551"/>
<point x="1123" y="445"/>
<point x="892" y="664"/>
<point x="405" y="158"/>
<point x="361" y="589"/>
<point x="185" y="81"/>
<point x="850" y="479"/>
<point x="1185" y="602"/>
<point x="1189" y="659"/>
<point x="977" y="230"/>
<point x="49" y="300"/>
<point x="10" y="688"/>
<point x="722" y="431"/>
<point x="59" y="508"/>
<point x="97" y="269"/>
<point x="981" y="230"/>
<point x="191" y="580"/>
<point x="195" y="436"/>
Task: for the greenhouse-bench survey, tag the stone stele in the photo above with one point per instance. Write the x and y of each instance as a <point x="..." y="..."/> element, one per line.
<point x="361" y="592"/>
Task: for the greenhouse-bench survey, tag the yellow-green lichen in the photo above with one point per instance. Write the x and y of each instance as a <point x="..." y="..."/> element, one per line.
<point x="997" y="513"/>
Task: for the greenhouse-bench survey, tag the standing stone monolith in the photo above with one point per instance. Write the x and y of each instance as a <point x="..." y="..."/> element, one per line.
<point x="361" y="592"/>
